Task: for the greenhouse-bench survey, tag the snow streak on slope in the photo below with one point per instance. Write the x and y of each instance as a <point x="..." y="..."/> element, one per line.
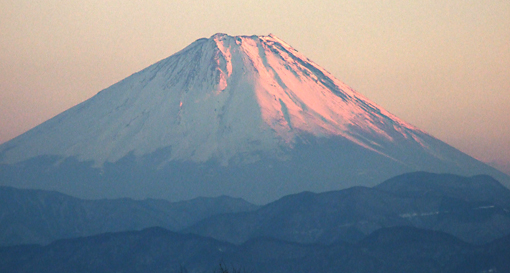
<point x="220" y="98"/>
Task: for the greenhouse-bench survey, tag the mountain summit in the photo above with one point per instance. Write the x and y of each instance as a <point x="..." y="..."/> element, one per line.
<point x="247" y="116"/>
<point x="217" y="99"/>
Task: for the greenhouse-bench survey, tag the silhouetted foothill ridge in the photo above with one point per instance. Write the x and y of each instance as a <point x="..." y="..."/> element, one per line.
<point x="475" y="209"/>
<point x="37" y="216"/>
<point x="397" y="249"/>
<point x="475" y="188"/>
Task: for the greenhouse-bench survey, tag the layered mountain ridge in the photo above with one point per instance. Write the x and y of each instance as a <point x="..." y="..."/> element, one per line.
<point x="246" y="116"/>
<point x="396" y="249"/>
<point x="474" y="209"/>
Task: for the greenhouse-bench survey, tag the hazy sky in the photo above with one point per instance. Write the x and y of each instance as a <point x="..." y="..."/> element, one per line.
<point x="443" y="66"/>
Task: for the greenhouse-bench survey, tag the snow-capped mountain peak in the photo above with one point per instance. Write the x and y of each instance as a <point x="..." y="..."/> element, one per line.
<point x="246" y="116"/>
<point x="214" y="99"/>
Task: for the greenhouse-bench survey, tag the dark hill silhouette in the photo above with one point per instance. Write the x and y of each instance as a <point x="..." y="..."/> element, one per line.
<point x="475" y="209"/>
<point x="36" y="216"/>
<point x="397" y="249"/>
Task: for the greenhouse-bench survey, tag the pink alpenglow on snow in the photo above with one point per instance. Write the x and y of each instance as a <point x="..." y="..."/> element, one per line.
<point x="214" y="82"/>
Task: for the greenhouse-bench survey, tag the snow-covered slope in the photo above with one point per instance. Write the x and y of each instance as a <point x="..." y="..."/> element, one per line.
<point x="216" y="98"/>
<point x="233" y="101"/>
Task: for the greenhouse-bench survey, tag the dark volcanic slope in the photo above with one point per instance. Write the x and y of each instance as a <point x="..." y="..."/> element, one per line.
<point x="475" y="209"/>
<point x="35" y="216"/>
<point x="401" y="249"/>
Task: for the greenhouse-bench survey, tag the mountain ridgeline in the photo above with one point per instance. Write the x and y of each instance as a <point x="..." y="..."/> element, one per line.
<point x="397" y="249"/>
<point x="40" y="217"/>
<point x="473" y="209"/>
<point x="244" y="116"/>
<point x="416" y="222"/>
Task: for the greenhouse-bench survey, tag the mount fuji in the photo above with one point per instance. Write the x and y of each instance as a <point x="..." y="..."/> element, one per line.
<point x="245" y="116"/>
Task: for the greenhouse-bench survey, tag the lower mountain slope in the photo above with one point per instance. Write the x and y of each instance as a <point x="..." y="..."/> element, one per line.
<point x="316" y="165"/>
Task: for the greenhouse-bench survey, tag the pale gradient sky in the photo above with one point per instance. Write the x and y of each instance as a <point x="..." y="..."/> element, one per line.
<point x="443" y="66"/>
